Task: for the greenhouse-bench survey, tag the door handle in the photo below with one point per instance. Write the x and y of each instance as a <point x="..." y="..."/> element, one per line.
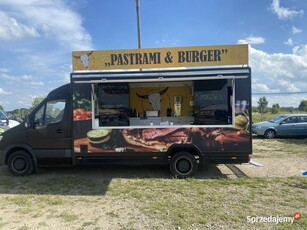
<point x="59" y="131"/>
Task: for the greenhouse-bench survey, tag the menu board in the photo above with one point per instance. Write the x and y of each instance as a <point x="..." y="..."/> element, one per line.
<point x="211" y="102"/>
<point x="113" y="104"/>
<point x="113" y="95"/>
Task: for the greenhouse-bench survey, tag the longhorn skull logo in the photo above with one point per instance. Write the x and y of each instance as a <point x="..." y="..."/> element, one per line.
<point x="154" y="99"/>
<point x="84" y="59"/>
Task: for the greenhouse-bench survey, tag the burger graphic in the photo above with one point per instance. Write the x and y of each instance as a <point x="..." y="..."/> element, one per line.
<point x="97" y="137"/>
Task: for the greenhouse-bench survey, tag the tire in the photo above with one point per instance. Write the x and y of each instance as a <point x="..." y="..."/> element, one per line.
<point x="183" y="165"/>
<point x="20" y="163"/>
<point x="270" y="134"/>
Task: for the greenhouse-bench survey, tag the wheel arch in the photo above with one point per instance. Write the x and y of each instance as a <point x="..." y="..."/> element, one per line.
<point x="191" y="148"/>
<point x="270" y="129"/>
<point x="21" y="147"/>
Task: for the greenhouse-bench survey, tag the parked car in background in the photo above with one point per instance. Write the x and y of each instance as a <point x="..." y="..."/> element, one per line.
<point x="4" y="121"/>
<point x="13" y="123"/>
<point x="282" y="125"/>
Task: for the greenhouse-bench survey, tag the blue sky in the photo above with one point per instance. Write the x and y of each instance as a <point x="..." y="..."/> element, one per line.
<point x="38" y="36"/>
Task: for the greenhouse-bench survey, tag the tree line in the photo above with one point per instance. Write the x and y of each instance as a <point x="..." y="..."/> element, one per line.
<point x="22" y="112"/>
<point x="275" y="109"/>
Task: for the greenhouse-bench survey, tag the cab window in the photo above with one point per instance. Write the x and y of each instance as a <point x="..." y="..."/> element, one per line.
<point x="55" y="111"/>
<point x="39" y="117"/>
<point x="51" y="112"/>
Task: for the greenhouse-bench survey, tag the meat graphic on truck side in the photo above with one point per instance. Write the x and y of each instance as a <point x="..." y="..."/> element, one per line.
<point x="203" y="116"/>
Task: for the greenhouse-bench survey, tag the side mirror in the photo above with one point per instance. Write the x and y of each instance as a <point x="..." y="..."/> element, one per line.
<point x="282" y="123"/>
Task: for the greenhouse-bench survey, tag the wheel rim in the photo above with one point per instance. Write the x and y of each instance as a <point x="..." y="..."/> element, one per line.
<point x="19" y="164"/>
<point x="183" y="166"/>
<point x="270" y="134"/>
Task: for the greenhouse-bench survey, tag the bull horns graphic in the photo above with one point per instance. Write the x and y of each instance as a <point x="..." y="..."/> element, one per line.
<point x="146" y="96"/>
<point x="79" y="56"/>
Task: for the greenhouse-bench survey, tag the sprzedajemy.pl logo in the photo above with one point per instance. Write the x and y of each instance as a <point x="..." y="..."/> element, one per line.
<point x="273" y="219"/>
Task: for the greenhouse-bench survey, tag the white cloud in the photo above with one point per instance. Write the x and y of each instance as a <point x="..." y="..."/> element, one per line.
<point x="258" y="86"/>
<point x="252" y="40"/>
<point x="288" y="85"/>
<point x="284" y="13"/>
<point x="52" y="19"/>
<point x="21" y="81"/>
<point x="279" y="73"/>
<point x="3" y="92"/>
<point x="36" y="83"/>
<point x="289" y="42"/>
<point x="279" y="65"/>
<point x="27" y="77"/>
<point x="11" y="29"/>
<point x="4" y="70"/>
<point x="296" y="30"/>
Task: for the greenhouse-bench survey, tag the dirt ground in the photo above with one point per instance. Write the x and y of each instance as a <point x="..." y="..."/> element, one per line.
<point x="279" y="157"/>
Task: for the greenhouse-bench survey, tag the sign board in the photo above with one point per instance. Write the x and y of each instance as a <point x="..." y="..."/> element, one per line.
<point x="160" y="57"/>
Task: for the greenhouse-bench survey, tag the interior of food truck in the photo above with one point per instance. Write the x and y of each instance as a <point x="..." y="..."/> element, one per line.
<point x="200" y="102"/>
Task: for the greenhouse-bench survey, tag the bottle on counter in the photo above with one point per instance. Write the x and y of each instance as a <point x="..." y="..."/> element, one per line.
<point x="169" y="112"/>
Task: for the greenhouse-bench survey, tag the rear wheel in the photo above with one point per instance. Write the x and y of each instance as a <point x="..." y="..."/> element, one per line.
<point x="269" y="134"/>
<point x="20" y="163"/>
<point x="183" y="165"/>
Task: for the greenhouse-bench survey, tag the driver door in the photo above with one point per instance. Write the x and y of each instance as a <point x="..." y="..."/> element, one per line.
<point x="49" y="135"/>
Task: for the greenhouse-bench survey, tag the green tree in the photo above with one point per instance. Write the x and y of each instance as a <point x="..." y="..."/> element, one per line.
<point x="36" y="101"/>
<point x="303" y="105"/>
<point x="262" y="105"/>
<point x="275" y="108"/>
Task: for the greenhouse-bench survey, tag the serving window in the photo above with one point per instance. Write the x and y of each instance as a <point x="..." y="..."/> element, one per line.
<point x="192" y="103"/>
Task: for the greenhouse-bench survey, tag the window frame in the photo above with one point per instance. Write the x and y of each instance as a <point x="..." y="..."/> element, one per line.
<point x="95" y="125"/>
<point x="44" y="113"/>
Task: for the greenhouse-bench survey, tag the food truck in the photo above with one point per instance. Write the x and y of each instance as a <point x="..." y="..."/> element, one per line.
<point x="184" y="107"/>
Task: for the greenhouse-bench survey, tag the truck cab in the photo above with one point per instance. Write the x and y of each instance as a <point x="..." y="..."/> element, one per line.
<point x="44" y="139"/>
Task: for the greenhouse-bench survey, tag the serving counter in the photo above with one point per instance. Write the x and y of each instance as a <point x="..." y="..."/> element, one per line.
<point x="136" y="121"/>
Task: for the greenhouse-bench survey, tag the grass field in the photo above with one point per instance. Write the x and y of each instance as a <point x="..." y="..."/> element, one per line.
<point x="148" y="198"/>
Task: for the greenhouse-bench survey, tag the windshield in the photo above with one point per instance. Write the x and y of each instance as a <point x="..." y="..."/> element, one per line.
<point x="2" y="116"/>
<point x="277" y="119"/>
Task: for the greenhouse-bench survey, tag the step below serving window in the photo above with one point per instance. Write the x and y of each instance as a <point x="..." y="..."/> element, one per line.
<point x="197" y="102"/>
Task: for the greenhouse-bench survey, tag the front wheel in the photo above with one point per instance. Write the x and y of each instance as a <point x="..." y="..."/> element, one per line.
<point x="20" y="163"/>
<point x="183" y="165"/>
<point x="269" y="134"/>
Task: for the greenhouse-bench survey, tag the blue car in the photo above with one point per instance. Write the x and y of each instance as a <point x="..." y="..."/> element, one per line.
<point x="282" y="125"/>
